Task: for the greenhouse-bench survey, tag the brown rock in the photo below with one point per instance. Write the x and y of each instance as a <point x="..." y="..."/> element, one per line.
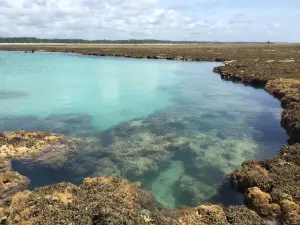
<point x="237" y="215"/>
<point x="12" y="182"/>
<point x="261" y="202"/>
<point x="291" y="212"/>
<point x="203" y="215"/>
<point x="251" y="174"/>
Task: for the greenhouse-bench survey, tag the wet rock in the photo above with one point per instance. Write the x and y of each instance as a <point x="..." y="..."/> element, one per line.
<point x="286" y="90"/>
<point x="21" y="143"/>
<point x="291" y="212"/>
<point x="4" y="165"/>
<point x="112" y="201"/>
<point x="261" y="202"/>
<point x="237" y="215"/>
<point x="251" y="174"/>
<point x="100" y="201"/>
<point x="11" y="183"/>
<point x="203" y="215"/>
<point x="278" y="182"/>
<point x="54" y="155"/>
<point x="290" y="120"/>
<point x="291" y="153"/>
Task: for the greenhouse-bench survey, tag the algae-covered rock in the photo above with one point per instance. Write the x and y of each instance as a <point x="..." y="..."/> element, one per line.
<point x="96" y="201"/>
<point x="291" y="153"/>
<point x="251" y="174"/>
<point x="100" y="201"/>
<point x="274" y="186"/>
<point x="203" y="215"/>
<point x="291" y="212"/>
<point x="261" y="202"/>
<point x="237" y="215"/>
<point x="22" y="143"/>
<point x="12" y="182"/>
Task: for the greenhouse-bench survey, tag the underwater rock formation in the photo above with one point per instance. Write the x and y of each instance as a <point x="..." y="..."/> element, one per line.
<point x="195" y="191"/>
<point x="46" y="149"/>
<point x="224" y="154"/>
<point x="41" y="148"/>
<point x="5" y="94"/>
<point x="75" y="125"/>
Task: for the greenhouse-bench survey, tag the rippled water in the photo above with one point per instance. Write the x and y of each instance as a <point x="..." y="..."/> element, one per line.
<point x="173" y="125"/>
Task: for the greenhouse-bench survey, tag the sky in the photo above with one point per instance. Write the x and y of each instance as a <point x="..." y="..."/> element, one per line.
<point x="192" y="20"/>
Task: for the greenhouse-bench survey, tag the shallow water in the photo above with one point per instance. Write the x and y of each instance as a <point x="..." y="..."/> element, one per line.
<point x="175" y="126"/>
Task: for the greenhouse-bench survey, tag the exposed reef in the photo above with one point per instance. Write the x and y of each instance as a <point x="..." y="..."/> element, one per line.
<point x="271" y="187"/>
<point x="110" y="201"/>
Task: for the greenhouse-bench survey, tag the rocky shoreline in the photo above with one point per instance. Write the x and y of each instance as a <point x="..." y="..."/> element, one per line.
<point x="271" y="187"/>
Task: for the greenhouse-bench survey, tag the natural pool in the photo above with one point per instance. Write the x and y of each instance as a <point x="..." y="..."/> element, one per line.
<point x="175" y="126"/>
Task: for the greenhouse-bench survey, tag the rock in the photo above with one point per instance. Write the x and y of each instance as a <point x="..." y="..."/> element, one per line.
<point x="203" y="215"/>
<point x="251" y="174"/>
<point x="237" y="215"/>
<point x="11" y="183"/>
<point x="195" y="191"/>
<point x="21" y="143"/>
<point x="261" y="202"/>
<point x="100" y="201"/>
<point x="291" y="212"/>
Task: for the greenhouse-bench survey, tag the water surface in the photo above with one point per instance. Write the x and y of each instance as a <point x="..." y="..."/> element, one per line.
<point x="175" y="126"/>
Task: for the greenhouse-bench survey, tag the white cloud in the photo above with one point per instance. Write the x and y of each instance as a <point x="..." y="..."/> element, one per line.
<point x="159" y="19"/>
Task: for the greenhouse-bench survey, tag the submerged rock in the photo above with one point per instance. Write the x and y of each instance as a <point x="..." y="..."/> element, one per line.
<point x="195" y="191"/>
<point x="5" y="94"/>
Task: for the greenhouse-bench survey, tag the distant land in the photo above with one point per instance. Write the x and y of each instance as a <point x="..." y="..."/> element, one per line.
<point x="130" y="41"/>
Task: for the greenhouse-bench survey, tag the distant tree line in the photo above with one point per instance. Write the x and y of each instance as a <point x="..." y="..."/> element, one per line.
<point x="130" y="41"/>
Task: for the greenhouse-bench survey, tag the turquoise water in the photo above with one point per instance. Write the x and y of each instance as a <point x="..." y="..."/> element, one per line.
<point x="175" y="126"/>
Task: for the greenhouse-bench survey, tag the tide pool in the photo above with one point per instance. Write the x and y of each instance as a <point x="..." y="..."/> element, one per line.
<point x="175" y="126"/>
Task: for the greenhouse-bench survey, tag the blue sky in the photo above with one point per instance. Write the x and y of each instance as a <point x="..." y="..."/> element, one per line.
<point x="200" y="20"/>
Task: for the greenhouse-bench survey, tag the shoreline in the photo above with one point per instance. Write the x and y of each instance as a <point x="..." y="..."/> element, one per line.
<point x="271" y="186"/>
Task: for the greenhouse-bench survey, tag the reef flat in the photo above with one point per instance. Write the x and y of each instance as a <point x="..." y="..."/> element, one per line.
<point x="271" y="187"/>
